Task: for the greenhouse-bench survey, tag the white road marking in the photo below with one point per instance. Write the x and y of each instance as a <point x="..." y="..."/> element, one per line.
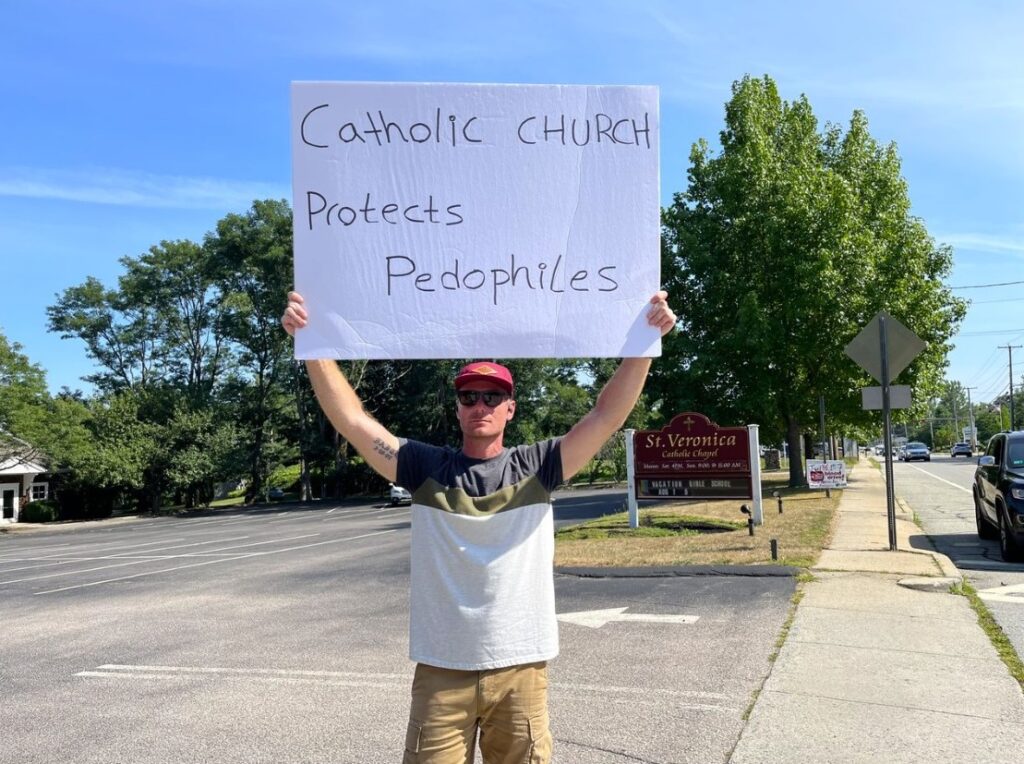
<point x="119" y="556"/>
<point x="644" y="695"/>
<point x="947" y="482"/>
<point x="595" y="619"/>
<point x="139" y="562"/>
<point x="248" y="671"/>
<point x="214" y="562"/>
<point x="356" y="513"/>
<point x="7" y="555"/>
<point x="101" y="551"/>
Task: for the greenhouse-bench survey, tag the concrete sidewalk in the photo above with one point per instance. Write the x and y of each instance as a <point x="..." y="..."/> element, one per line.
<point x="882" y="663"/>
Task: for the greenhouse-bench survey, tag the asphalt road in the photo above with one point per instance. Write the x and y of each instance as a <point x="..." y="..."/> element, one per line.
<point x="280" y="635"/>
<point x="939" y="492"/>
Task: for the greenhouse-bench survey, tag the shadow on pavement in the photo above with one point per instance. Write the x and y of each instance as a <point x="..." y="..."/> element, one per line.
<point x="966" y="550"/>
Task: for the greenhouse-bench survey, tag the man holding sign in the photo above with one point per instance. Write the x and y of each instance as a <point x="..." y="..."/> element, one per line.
<point x="468" y="220"/>
<point x="482" y="621"/>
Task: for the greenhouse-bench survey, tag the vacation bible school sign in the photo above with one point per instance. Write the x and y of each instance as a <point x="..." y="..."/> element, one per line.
<point x="692" y="457"/>
<point x="451" y="221"/>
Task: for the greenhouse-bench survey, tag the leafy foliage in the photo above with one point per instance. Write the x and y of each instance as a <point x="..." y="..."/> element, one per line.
<point x="782" y="248"/>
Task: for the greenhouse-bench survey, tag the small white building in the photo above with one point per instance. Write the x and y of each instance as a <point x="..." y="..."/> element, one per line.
<point x="19" y="468"/>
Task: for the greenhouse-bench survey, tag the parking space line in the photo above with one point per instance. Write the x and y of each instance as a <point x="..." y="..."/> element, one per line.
<point x="68" y="561"/>
<point x="6" y="555"/>
<point x="248" y="671"/>
<point x="116" y="545"/>
<point x="367" y="513"/>
<point x="139" y="562"/>
<point x="214" y="562"/>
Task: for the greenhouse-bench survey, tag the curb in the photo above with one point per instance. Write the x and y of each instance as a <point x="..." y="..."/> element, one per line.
<point x="949" y="570"/>
<point x="683" y="571"/>
<point x="941" y="585"/>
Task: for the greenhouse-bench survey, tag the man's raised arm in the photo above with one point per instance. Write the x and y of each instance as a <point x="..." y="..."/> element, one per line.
<point x="342" y="406"/>
<point x="616" y="400"/>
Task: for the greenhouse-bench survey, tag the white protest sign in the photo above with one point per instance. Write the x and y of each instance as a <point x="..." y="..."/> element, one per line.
<point x="458" y="221"/>
<point x="826" y="474"/>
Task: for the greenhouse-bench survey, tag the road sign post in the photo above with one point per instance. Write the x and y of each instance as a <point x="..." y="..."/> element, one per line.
<point x="890" y="493"/>
<point x="884" y="348"/>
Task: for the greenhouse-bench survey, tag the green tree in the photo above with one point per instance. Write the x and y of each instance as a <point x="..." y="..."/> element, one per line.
<point x="121" y="335"/>
<point x="251" y="262"/>
<point x="198" y="449"/>
<point x="174" y="282"/>
<point x="987" y="420"/>
<point x="24" y="398"/>
<point x="782" y="248"/>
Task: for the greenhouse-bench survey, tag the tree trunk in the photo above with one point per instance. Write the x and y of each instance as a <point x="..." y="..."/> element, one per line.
<point x="306" y="491"/>
<point x="794" y="443"/>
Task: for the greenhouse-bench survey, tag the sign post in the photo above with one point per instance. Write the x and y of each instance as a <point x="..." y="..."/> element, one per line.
<point x="896" y="347"/>
<point x="755" y="473"/>
<point x="634" y="509"/>
<point x="890" y="492"/>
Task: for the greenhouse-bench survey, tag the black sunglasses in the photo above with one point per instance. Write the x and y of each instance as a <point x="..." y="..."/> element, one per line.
<point x="491" y="398"/>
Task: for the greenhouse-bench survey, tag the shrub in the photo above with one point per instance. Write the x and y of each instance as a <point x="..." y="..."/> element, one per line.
<point x="41" y="511"/>
<point x="284" y="477"/>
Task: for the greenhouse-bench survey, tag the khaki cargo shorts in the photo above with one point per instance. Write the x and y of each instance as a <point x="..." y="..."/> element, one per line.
<point x="508" y="707"/>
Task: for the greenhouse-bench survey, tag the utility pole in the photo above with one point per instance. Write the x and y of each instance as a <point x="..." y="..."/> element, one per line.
<point x="970" y="411"/>
<point x="1010" y="349"/>
<point x="956" y="419"/>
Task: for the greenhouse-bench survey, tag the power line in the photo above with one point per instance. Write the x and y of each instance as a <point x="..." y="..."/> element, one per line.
<point x="993" y="357"/>
<point x="992" y="331"/>
<point x="988" y="286"/>
<point x="995" y="380"/>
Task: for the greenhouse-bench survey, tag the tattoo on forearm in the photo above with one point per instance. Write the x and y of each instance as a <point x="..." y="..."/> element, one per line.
<point x="384" y="449"/>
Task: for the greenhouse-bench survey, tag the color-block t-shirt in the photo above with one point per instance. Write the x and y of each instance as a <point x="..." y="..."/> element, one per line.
<point x="482" y="590"/>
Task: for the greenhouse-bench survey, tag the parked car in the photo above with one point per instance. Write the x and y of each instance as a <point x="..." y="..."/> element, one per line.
<point x="999" y="494"/>
<point x="399" y="495"/>
<point x="961" y="449"/>
<point x="916" y="450"/>
<point x="275" y="493"/>
<point x="880" y="450"/>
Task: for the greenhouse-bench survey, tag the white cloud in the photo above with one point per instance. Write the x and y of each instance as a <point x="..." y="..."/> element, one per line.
<point x="134" y="189"/>
<point x="980" y="242"/>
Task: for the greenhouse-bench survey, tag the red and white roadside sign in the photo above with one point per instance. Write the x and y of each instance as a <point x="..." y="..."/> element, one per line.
<point x="826" y="474"/>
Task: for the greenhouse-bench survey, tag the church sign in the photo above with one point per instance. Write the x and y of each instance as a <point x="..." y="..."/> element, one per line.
<point x="692" y="457"/>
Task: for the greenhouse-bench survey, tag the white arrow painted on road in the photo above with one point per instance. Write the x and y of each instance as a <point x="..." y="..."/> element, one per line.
<point x="595" y="619"/>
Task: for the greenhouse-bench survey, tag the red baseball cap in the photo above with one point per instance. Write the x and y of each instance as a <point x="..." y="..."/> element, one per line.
<point x="484" y="371"/>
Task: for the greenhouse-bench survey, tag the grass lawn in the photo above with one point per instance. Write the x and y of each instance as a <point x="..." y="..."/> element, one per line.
<point x="706" y="532"/>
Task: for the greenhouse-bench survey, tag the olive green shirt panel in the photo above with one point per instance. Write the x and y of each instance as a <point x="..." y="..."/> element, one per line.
<point x="525" y="493"/>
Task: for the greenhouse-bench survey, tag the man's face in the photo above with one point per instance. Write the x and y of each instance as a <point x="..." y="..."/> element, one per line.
<point x="478" y="419"/>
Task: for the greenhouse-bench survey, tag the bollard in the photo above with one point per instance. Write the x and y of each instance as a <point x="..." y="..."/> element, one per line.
<point x="750" y="518"/>
<point x="778" y="497"/>
<point x="775" y="549"/>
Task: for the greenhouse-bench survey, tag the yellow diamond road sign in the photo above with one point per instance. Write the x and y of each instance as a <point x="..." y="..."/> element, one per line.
<point x="902" y="344"/>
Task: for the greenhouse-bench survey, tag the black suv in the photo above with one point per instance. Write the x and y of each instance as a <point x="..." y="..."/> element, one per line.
<point x="999" y="494"/>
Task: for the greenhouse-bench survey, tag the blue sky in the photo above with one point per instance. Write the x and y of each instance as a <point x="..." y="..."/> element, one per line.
<point x="129" y="123"/>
